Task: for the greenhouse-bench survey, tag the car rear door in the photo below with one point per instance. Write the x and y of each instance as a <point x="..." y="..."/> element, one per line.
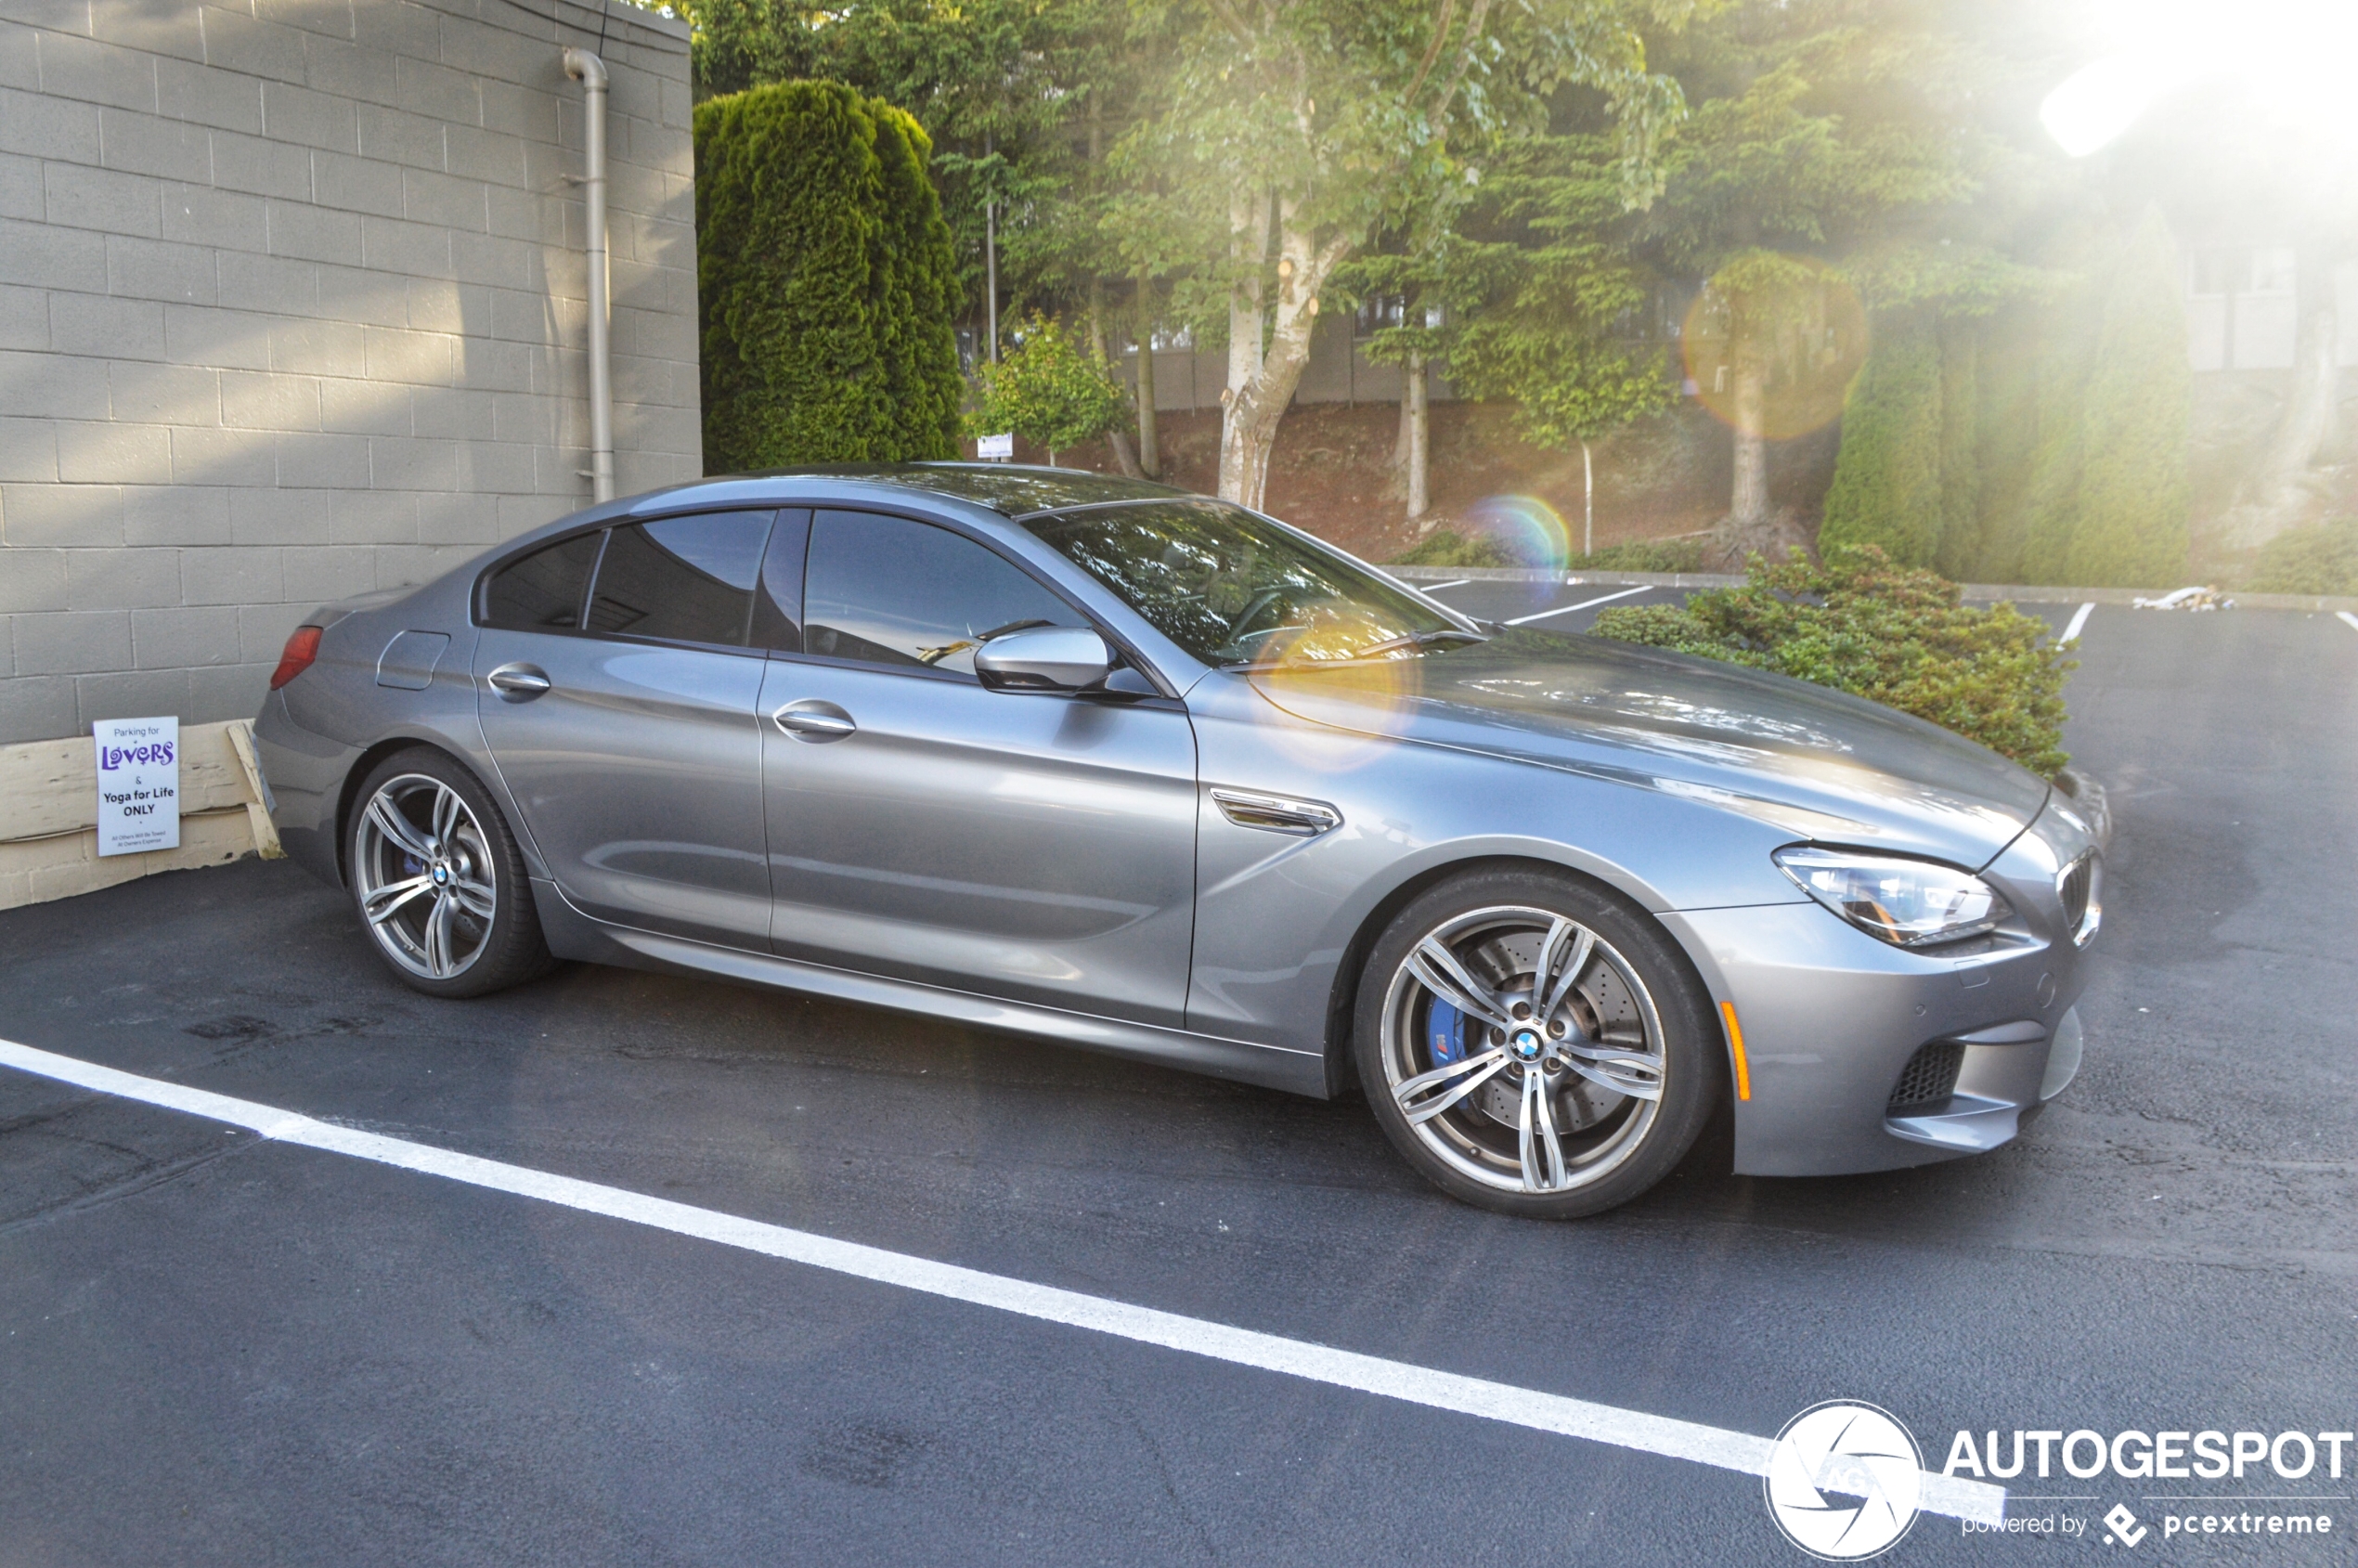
<point x="616" y="681"/>
<point x="1033" y="845"/>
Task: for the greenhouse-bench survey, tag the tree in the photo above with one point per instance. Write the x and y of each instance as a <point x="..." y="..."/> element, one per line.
<point x="1047" y="391"/>
<point x="1292" y="134"/>
<point x="1886" y="488"/>
<point x="2129" y="530"/>
<point x="825" y="282"/>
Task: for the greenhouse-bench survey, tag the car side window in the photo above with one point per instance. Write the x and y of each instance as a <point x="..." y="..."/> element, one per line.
<point x="887" y="590"/>
<point x="542" y="591"/>
<point x="683" y="579"/>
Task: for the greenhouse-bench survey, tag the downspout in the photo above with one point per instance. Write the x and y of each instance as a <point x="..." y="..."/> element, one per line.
<point x="591" y="71"/>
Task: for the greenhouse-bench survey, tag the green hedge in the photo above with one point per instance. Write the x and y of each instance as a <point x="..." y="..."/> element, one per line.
<point x="825" y="282"/>
<point x="1886" y="490"/>
<point x="2322" y="559"/>
<point x="1898" y="636"/>
<point x="2130" y="531"/>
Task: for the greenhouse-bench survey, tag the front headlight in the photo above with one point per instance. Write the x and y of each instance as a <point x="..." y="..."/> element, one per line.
<point x="1908" y="904"/>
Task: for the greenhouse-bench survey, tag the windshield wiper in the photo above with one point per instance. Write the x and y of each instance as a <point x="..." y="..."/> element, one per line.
<point x="1389" y="645"/>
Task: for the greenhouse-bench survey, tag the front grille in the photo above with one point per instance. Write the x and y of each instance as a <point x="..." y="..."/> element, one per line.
<point x="1930" y="1076"/>
<point x="2078" y="882"/>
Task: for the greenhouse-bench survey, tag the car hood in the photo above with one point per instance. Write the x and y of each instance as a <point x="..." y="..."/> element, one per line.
<point x="1817" y="762"/>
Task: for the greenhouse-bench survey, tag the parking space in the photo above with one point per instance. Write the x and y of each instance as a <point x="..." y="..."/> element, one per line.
<point x="219" y="1348"/>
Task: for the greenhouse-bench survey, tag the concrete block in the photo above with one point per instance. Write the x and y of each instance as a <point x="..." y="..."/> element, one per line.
<point x="20" y="57"/>
<point x="252" y="400"/>
<point x="522" y="318"/>
<point x="393" y="135"/>
<point x="36" y="708"/>
<point x="197" y="214"/>
<point x="406" y="463"/>
<point x="132" y="695"/>
<point x="458" y="518"/>
<point x="233" y="691"/>
<point x="435" y="304"/>
<point x="279" y="517"/>
<point x="85" y="70"/>
<point x="103" y="198"/>
<point x="497" y="262"/>
<point x="446" y="200"/>
<point x="321" y="574"/>
<point x="297" y="114"/>
<point x="314" y="233"/>
<point x="96" y="325"/>
<point x="144" y="144"/>
<point x="52" y="387"/>
<point x="159" y="269"/>
<point x="317" y="348"/>
<point x="495" y="157"/>
<point x="147" y="393"/>
<point x="332" y="18"/>
<point x="520" y="513"/>
<point x="356" y="185"/>
<point x="48" y="127"/>
<point x="27" y="451"/>
<point x="262" y="630"/>
<point x="226" y="339"/>
<point x="415" y="249"/>
<point x="172" y="30"/>
<point x="372" y="517"/>
<point x="235" y="458"/>
<point x="414" y="358"/>
<point x="363" y="296"/>
<point x="494" y="468"/>
<point x="175" y="515"/>
<point x="365" y="407"/>
<point x="398" y="29"/>
<point x="73" y="641"/>
<point x="231" y="576"/>
<point x="32" y="578"/>
<point x="409" y="566"/>
<point x="490" y="366"/>
<point x="60" y="514"/>
<point x="355" y="70"/>
<point x="113" y="454"/>
<point x="206" y="95"/>
<point x="436" y="91"/>
<point x="323" y="461"/>
<point x="493" y="52"/>
<point x="122" y="578"/>
<point x="20" y="187"/>
<point x="534" y="217"/>
<point x="278" y="284"/>
<point x="262" y="166"/>
<point x="24" y="317"/>
<point x="247" y="43"/>
<point x="452" y="413"/>
<point x="181" y="639"/>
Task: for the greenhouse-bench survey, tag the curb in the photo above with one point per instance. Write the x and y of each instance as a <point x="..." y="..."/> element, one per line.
<point x="2017" y="593"/>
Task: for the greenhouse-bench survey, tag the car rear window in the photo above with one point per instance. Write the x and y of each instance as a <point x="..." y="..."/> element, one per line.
<point x="543" y="591"/>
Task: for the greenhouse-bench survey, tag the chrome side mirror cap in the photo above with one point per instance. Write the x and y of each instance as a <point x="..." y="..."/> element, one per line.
<point x="1048" y="658"/>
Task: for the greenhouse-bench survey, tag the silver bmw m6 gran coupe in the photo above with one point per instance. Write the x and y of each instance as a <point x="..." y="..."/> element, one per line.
<point x="1147" y="773"/>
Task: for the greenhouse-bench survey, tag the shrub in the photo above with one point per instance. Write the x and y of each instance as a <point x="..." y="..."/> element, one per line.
<point x="1886" y="487"/>
<point x="1896" y="635"/>
<point x="1047" y="391"/>
<point x="1446" y="547"/>
<point x="2322" y="559"/>
<point x="825" y="282"/>
<point x="2130" y="531"/>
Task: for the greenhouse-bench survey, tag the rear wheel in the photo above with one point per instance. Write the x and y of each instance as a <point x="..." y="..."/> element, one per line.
<point x="1532" y="1045"/>
<point x="439" y="882"/>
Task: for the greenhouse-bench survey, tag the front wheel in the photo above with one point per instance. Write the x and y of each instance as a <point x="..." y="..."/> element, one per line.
<point x="1534" y="1046"/>
<point x="440" y="884"/>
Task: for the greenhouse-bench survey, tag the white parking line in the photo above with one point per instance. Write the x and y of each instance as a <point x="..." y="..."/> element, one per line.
<point x="1436" y="587"/>
<point x="1584" y="604"/>
<point x="2079" y="620"/>
<point x="2349" y="619"/>
<point x="1245" y="1347"/>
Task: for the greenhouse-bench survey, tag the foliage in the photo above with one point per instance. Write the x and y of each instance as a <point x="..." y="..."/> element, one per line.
<point x="824" y="282"/>
<point x="1886" y="490"/>
<point x="1897" y="635"/>
<point x="2322" y="559"/>
<point x="1446" y="547"/>
<point x="1046" y="390"/>
<point x="2131" y="528"/>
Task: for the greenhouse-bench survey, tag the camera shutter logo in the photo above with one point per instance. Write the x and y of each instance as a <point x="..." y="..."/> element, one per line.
<point x="1844" y="1481"/>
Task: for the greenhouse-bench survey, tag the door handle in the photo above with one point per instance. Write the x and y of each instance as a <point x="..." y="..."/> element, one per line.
<point x="518" y="682"/>
<point x="812" y="719"/>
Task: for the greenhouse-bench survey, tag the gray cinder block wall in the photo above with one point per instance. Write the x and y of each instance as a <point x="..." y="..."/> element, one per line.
<point x="292" y="307"/>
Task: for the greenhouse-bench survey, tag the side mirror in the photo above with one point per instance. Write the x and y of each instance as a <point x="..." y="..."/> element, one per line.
<point x="1048" y="658"/>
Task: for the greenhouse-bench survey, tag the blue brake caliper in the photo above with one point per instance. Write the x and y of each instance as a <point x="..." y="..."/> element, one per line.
<point x="1444" y="1033"/>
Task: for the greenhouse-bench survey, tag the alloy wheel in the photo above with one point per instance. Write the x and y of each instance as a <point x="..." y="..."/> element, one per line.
<point x="425" y="876"/>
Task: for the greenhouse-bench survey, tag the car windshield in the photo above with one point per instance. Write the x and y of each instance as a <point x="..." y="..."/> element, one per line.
<point x="1238" y="590"/>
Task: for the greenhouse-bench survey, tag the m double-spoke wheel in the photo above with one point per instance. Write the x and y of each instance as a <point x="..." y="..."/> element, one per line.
<point x="1532" y="1045"/>
<point x="439" y="880"/>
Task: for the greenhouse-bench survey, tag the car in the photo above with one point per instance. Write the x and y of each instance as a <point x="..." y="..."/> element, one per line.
<point x="1107" y="763"/>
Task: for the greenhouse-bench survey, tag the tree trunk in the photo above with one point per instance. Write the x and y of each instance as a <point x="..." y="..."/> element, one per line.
<point x="1149" y="445"/>
<point x="1420" y="433"/>
<point x="2275" y="495"/>
<point x="1748" y="505"/>
<point x="1587" y="502"/>
<point x="1262" y="380"/>
<point x="1117" y="438"/>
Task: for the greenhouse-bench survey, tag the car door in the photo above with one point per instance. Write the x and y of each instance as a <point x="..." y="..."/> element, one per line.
<point x="1033" y="845"/>
<point x="616" y="684"/>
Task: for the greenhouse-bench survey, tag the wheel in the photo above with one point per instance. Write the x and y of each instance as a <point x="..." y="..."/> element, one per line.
<point x="1532" y="1045"/>
<point x="439" y="880"/>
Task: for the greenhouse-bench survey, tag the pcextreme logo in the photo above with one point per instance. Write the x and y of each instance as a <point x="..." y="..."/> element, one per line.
<point x="1844" y="1481"/>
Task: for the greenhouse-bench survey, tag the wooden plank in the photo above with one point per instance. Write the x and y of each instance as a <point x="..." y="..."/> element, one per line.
<point x="48" y="787"/>
<point x="33" y="871"/>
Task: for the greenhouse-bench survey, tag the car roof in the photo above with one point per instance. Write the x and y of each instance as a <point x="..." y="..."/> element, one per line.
<point x="1009" y="490"/>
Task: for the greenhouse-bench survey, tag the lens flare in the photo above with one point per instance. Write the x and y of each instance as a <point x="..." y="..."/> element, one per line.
<point x="1359" y="705"/>
<point x="1772" y="342"/>
<point x="1526" y="528"/>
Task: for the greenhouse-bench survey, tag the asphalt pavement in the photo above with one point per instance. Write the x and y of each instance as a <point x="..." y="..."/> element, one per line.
<point x="216" y="1348"/>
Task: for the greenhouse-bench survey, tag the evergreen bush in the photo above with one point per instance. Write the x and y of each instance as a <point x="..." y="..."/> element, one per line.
<point x="2322" y="560"/>
<point x="1886" y="488"/>
<point x="825" y="282"/>
<point x="2130" y="528"/>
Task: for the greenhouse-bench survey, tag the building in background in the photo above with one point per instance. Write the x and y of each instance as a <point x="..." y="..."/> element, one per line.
<point x="292" y="307"/>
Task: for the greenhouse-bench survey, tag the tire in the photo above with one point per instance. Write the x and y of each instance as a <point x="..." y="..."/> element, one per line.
<point x="438" y="882"/>
<point x="1626" y="1057"/>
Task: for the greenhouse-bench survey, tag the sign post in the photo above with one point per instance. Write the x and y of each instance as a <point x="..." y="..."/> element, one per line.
<point x="138" y="785"/>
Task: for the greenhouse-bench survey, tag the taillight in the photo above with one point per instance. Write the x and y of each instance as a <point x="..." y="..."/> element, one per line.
<point x="301" y="648"/>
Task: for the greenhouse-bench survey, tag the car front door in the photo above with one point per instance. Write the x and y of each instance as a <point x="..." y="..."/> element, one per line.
<point x="616" y="682"/>
<point x="1038" y="846"/>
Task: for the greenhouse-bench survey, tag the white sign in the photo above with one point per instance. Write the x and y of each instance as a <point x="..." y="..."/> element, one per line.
<point x="996" y="449"/>
<point x="138" y="785"/>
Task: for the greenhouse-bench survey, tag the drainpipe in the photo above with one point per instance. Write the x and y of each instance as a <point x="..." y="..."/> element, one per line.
<point x="591" y="71"/>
